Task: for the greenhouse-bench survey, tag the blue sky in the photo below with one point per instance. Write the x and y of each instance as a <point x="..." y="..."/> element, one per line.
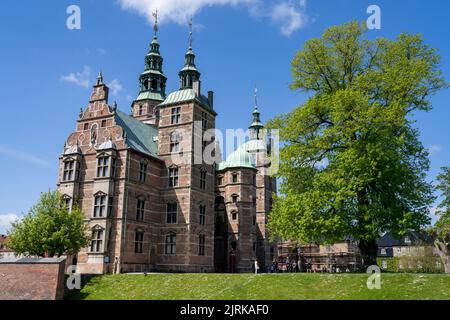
<point x="46" y="69"/>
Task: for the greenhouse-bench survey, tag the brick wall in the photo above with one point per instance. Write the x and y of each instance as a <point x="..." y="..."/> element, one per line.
<point x="32" y="279"/>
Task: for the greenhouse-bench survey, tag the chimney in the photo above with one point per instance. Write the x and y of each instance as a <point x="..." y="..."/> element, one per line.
<point x="211" y="99"/>
<point x="196" y="87"/>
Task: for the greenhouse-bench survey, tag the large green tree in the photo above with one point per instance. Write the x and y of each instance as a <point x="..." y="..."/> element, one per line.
<point x="49" y="229"/>
<point x="442" y="226"/>
<point x="351" y="163"/>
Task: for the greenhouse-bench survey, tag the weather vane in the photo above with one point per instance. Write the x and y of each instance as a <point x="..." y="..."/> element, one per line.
<point x="256" y="96"/>
<point x="190" y="33"/>
<point x="155" y="15"/>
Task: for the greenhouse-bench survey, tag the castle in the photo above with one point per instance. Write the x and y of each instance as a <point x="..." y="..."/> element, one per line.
<point x="151" y="198"/>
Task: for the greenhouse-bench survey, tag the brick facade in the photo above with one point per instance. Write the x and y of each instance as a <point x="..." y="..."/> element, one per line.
<point x="138" y="219"/>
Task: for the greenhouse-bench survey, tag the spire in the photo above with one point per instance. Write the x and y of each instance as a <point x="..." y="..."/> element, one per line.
<point x="100" y="78"/>
<point x="256" y="125"/>
<point x="189" y="73"/>
<point x="152" y="80"/>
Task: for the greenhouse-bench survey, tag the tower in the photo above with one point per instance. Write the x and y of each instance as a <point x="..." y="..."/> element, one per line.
<point x="189" y="74"/>
<point x="256" y="126"/>
<point x="152" y="83"/>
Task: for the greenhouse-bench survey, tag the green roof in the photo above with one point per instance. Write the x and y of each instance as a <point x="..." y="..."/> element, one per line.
<point x="145" y="95"/>
<point x="238" y="159"/>
<point x="139" y="136"/>
<point x="186" y="95"/>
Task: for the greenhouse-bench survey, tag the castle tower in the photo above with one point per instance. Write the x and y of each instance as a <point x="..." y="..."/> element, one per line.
<point x="188" y="191"/>
<point x="152" y="84"/>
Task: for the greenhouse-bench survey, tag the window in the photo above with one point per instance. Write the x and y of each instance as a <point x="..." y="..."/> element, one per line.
<point x="86" y="126"/>
<point x="67" y="202"/>
<point x="141" y="108"/>
<point x="97" y="240"/>
<point x="235" y="178"/>
<point x="173" y="177"/>
<point x="203" y="175"/>
<point x="204" y="120"/>
<point x="103" y="123"/>
<point x="201" y="245"/>
<point x="102" y="166"/>
<point x="140" y="210"/>
<point x="69" y="167"/>
<point x="220" y="181"/>
<point x="171" y="242"/>
<point x="383" y="251"/>
<point x="110" y="206"/>
<point x="234" y="215"/>
<point x="143" y="171"/>
<point x="202" y="219"/>
<point x="113" y="167"/>
<point x="154" y="85"/>
<point x="139" y="242"/>
<point x="234" y="198"/>
<point x="99" y="206"/>
<point x="254" y="202"/>
<point x="174" y="142"/>
<point x="176" y="115"/>
<point x="172" y="209"/>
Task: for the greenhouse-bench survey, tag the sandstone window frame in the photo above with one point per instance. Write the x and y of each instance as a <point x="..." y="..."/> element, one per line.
<point x="71" y="170"/>
<point x="175" y="139"/>
<point x="68" y="201"/>
<point x="203" y="178"/>
<point x="140" y="208"/>
<point x="100" y="205"/>
<point x="97" y="240"/>
<point x="201" y="244"/>
<point x="172" y="212"/>
<point x="202" y="215"/>
<point x="139" y="241"/>
<point x="170" y="244"/>
<point x="173" y="176"/>
<point x="143" y="168"/>
<point x="175" y="115"/>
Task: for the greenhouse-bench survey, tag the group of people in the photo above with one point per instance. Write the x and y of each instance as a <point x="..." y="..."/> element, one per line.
<point x="287" y="265"/>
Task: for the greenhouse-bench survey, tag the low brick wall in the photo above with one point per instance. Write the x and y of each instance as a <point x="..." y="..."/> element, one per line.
<point x="32" y="279"/>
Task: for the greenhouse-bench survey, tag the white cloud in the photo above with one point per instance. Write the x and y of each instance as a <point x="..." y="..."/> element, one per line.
<point x="6" y="220"/>
<point x="289" y="14"/>
<point x="24" y="156"/>
<point x="79" y="78"/>
<point x="115" y="86"/>
<point x="434" y="149"/>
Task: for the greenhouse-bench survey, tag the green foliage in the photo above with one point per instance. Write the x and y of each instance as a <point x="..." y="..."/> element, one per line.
<point x="351" y="163"/>
<point x="412" y="264"/>
<point x="49" y="229"/>
<point x="443" y="224"/>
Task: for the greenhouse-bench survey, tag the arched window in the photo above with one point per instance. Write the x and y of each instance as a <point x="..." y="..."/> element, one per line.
<point x="99" y="205"/>
<point x="203" y="175"/>
<point x="140" y="209"/>
<point x="201" y="245"/>
<point x="146" y="85"/>
<point x="154" y="85"/>
<point x="202" y="216"/>
<point x="175" y="142"/>
<point x="171" y="243"/>
<point x="171" y="212"/>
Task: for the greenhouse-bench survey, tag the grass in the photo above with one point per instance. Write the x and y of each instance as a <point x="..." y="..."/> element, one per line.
<point x="300" y="286"/>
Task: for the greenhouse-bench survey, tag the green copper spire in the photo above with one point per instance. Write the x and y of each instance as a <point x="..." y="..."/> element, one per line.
<point x="189" y="74"/>
<point x="256" y="126"/>
<point x="152" y="80"/>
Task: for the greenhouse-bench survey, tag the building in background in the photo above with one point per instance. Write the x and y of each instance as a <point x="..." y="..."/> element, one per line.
<point x="5" y="252"/>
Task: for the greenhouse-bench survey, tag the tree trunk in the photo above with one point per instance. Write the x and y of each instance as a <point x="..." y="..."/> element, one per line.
<point x="444" y="254"/>
<point x="369" y="251"/>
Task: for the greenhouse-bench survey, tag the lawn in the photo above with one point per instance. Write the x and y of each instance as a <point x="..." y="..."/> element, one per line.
<point x="301" y="286"/>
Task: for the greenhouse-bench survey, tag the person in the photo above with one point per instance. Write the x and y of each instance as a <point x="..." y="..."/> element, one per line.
<point x="256" y="266"/>
<point x="294" y="266"/>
